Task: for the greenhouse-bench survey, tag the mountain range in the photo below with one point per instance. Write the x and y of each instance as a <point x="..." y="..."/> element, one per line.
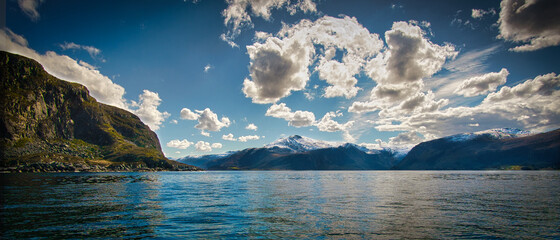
<point x="47" y="124"/>
<point x="503" y="148"/>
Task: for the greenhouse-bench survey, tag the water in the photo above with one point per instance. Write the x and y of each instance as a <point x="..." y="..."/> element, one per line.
<point x="283" y="204"/>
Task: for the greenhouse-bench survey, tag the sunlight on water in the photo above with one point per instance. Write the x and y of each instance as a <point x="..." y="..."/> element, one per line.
<point x="289" y="204"/>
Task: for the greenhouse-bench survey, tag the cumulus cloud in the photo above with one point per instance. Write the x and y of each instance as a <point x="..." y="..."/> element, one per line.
<point x="247" y="138"/>
<point x="276" y="69"/>
<point x="296" y="119"/>
<point x="216" y="145"/>
<point x="209" y="121"/>
<point x="29" y="7"/>
<point x="238" y="13"/>
<point x="280" y="63"/>
<point x="326" y="124"/>
<point x="180" y="144"/>
<point x="203" y="146"/>
<point x="204" y="133"/>
<point x="482" y="84"/>
<point x="66" y="68"/>
<point x="542" y="86"/>
<point x="410" y="56"/>
<point x="147" y="110"/>
<point x="187" y="114"/>
<point x="529" y="105"/>
<point x="532" y="22"/>
<point x="400" y="70"/>
<point x="229" y="137"/>
<point x="404" y="140"/>
<point x="251" y="126"/>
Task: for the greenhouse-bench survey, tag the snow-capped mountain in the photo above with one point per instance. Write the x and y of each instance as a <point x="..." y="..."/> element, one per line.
<point x="497" y="133"/>
<point x="503" y="148"/>
<point x="298" y="143"/>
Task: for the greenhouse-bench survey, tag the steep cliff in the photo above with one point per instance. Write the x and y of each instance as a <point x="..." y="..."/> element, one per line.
<point x="45" y="120"/>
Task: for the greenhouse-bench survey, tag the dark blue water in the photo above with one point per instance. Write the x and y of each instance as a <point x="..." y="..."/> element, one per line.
<point x="321" y="204"/>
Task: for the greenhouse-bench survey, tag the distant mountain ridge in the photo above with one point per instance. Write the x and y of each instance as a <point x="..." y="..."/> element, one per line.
<point x="501" y="148"/>
<point x="496" y="133"/>
<point x="297" y="143"/>
<point x="492" y="149"/>
<point x="47" y="124"/>
<point x="299" y="153"/>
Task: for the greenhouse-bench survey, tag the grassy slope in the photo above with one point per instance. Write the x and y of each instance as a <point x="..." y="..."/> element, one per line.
<point x="46" y="119"/>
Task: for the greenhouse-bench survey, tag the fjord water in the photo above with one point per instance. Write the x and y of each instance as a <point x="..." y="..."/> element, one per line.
<point x="283" y="204"/>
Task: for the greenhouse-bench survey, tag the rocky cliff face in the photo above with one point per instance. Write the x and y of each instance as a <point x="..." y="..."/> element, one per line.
<point x="44" y="119"/>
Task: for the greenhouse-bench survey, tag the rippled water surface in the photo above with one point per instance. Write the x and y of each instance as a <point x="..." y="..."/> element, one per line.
<point x="315" y="204"/>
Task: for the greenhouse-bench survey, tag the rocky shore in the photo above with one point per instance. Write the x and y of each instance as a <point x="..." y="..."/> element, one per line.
<point x="84" y="167"/>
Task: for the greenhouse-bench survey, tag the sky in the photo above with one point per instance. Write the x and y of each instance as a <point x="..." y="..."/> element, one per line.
<point x="211" y="76"/>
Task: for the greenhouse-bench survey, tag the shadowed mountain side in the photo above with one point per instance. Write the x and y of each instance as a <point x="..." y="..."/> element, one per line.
<point x="345" y="157"/>
<point x="47" y="124"/>
<point x="540" y="151"/>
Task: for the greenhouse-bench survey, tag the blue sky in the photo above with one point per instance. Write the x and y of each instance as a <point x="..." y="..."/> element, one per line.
<point x="213" y="76"/>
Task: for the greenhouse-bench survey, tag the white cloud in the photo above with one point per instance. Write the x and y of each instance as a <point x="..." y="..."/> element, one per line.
<point x="204" y="133"/>
<point x="203" y="146"/>
<point x="251" y="126"/>
<point x="466" y="65"/>
<point x="180" y="144"/>
<point x="326" y="124"/>
<point x="174" y="121"/>
<point x="404" y="140"/>
<point x="66" y="68"/>
<point x="247" y="138"/>
<point x="532" y="22"/>
<point x="209" y="121"/>
<point x="400" y="70"/>
<point x="473" y="60"/>
<point x="238" y="13"/>
<point x="479" y="13"/>
<point x="148" y="112"/>
<point x="217" y="145"/>
<point x="296" y="119"/>
<point x="229" y="137"/>
<point x="534" y="89"/>
<point x="93" y="51"/>
<point x="187" y="114"/>
<point x="482" y="84"/>
<point x="277" y="68"/>
<point x="410" y="56"/>
<point x="280" y="64"/>
<point x="207" y="68"/>
<point x="29" y="7"/>
<point x="530" y="105"/>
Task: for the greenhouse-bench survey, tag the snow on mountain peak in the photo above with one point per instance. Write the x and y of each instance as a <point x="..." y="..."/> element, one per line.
<point x="297" y="143"/>
<point x="497" y="133"/>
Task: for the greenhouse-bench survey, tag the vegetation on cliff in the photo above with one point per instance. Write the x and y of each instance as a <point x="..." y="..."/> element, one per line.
<point x="45" y="121"/>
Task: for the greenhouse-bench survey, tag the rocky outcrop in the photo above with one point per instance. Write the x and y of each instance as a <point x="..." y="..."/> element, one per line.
<point x="44" y="119"/>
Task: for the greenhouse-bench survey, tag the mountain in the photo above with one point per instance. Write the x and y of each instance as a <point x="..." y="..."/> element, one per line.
<point x="491" y="149"/>
<point x="202" y="160"/>
<point x="298" y="153"/>
<point x="297" y="143"/>
<point x="47" y="124"/>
